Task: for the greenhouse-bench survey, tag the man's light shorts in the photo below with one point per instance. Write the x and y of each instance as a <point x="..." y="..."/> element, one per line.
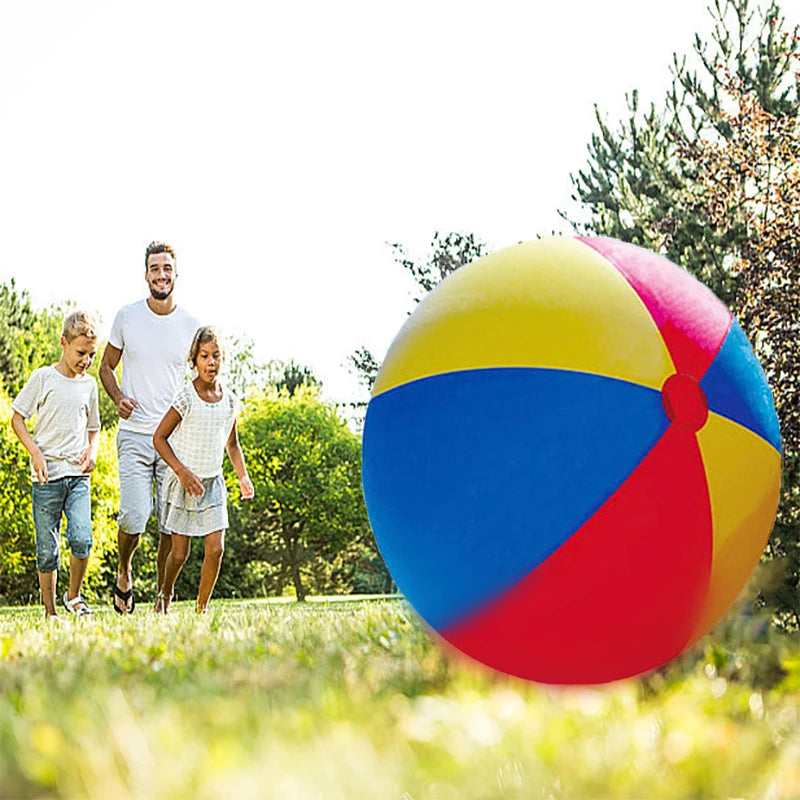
<point x="139" y="466"/>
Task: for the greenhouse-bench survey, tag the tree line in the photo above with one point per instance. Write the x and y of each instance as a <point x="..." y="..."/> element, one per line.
<point x="305" y="532"/>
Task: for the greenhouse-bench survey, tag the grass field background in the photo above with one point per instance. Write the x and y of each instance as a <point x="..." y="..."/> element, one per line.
<point x="352" y="699"/>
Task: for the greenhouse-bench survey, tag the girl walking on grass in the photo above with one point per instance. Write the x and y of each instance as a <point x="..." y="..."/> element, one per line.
<point x="196" y="430"/>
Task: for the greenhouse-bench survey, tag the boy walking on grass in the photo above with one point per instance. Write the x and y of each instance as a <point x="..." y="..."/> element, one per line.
<point x="63" y="452"/>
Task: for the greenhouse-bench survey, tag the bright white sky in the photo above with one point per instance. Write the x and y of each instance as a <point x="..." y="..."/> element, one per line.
<point x="279" y="146"/>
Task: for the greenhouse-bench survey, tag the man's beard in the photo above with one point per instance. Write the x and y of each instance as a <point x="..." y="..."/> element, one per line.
<point x="156" y="294"/>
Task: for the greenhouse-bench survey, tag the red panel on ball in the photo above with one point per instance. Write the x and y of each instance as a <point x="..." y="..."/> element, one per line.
<point x="692" y="321"/>
<point x="622" y="594"/>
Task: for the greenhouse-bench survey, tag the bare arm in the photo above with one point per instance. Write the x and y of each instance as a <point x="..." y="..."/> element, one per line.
<point x="111" y="357"/>
<point x="237" y="459"/>
<point x="23" y="434"/>
<point x="188" y="479"/>
<point x="89" y="457"/>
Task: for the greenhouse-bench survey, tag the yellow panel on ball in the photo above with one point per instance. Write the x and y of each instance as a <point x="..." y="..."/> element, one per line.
<point x="740" y="504"/>
<point x="553" y="303"/>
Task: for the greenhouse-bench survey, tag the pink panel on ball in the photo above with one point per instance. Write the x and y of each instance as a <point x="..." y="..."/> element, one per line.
<point x="622" y="594"/>
<point x="691" y="319"/>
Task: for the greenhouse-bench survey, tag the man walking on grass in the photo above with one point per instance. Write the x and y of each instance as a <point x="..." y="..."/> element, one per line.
<point x="152" y="337"/>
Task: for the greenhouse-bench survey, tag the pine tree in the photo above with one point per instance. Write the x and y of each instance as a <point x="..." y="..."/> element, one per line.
<point x="712" y="181"/>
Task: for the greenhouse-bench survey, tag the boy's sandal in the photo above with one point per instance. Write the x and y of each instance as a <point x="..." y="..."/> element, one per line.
<point x="124" y="596"/>
<point x="77" y="606"/>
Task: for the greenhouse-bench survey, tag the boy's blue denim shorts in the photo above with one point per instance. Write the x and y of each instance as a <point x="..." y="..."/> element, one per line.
<point x="72" y="497"/>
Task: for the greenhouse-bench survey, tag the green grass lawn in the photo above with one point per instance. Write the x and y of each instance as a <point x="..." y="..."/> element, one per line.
<point x="351" y="699"/>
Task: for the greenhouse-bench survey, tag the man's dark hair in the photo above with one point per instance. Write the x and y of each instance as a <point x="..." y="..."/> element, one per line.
<point x="159" y="247"/>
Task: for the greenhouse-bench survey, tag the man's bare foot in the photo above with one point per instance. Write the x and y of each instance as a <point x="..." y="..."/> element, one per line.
<point x="162" y="603"/>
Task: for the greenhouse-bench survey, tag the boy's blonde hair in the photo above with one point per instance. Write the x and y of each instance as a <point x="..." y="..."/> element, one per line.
<point x="208" y="333"/>
<point x="79" y="323"/>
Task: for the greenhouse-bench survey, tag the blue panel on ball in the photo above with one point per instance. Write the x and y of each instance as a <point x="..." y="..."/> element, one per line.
<point x="736" y="388"/>
<point x="473" y="478"/>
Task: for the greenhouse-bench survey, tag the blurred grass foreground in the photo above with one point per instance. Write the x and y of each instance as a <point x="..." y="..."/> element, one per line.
<point x="351" y="699"/>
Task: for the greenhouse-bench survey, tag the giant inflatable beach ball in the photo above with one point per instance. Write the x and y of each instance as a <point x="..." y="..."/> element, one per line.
<point x="571" y="460"/>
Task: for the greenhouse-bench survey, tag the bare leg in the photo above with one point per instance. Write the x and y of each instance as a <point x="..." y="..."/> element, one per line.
<point x="47" y="586"/>
<point x="77" y="569"/>
<point x="127" y="547"/>
<point x="164" y="546"/>
<point x="178" y="554"/>
<point x="215" y="547"/>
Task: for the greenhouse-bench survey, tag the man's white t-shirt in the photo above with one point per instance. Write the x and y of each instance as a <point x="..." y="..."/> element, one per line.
<point x="155" y="349"/>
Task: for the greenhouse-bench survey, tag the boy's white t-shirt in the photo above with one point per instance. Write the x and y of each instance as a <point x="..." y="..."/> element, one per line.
<point x="155" y="349"/>
<point x="66" y="409"/>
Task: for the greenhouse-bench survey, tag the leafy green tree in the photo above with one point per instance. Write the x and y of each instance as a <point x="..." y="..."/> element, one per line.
<point x="109" y="416"/>
<point x="18" y="582"/>
<point x="245" y="373"/>
<point x="28" y="338"/>
<point x="447" y="253"/>
<point x="365" y="366"/>
<point x="307" y="524"/>
<point x="291" y="376"/>
<point x="710" y="180"/>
